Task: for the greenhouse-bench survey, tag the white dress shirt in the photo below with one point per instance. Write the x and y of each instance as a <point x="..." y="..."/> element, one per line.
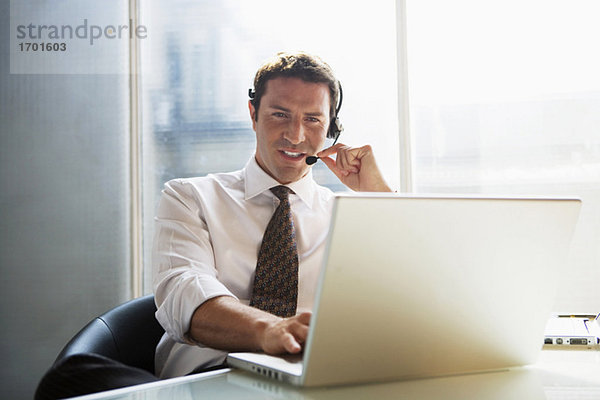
<point x="208" y="234"/>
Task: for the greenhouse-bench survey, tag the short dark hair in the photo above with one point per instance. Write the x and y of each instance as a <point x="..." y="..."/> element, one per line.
<point x="307" y="67"/>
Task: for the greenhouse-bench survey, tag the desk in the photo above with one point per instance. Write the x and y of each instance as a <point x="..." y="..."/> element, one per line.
<point x="559" y="374"/>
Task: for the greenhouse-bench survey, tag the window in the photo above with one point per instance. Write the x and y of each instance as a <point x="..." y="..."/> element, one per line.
<point x="198" y="63"/>
<point x="505" y="99"/>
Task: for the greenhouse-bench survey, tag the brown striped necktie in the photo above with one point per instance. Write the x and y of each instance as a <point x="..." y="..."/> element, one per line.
<point x="276" y="278"/>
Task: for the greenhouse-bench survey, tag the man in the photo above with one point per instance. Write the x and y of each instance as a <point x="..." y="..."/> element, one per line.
<point x="210" y="229"/>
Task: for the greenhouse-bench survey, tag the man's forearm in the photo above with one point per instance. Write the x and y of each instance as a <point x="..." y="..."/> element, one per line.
<point x="226" y="324"/>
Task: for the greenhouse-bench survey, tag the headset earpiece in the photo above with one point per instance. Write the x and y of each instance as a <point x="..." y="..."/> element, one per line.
<point x="252" y="95"/>
<point x="335" y="125"/>
<point x="335" y="128"/>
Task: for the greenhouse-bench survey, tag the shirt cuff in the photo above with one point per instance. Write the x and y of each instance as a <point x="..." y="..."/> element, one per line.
<point x="176" y="311"/>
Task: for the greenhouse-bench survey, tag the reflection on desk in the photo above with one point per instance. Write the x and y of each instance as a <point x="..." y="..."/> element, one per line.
<point x="558" y="375"/>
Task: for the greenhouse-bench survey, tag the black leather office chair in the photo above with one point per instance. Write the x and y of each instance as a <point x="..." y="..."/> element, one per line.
<point x="128" y="333"/>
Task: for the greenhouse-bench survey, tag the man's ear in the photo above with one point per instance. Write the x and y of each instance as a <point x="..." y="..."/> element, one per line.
<point x="252" y="114"/>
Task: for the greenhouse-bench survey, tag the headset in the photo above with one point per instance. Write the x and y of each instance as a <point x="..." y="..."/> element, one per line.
<point x="335" y="125"/>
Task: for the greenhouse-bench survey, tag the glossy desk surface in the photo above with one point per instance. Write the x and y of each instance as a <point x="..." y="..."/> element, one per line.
<point x="559" y="374"/>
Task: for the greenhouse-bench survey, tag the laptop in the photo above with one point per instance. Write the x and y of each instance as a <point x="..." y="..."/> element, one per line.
<point x="416" y="287"/>
<point x="568" y="331"/>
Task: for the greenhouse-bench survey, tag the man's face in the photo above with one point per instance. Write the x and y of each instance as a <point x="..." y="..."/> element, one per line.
<point x="293" y="117"/>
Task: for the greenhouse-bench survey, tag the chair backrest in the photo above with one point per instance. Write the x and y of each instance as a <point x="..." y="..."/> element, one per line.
<point x="128" y="333"/>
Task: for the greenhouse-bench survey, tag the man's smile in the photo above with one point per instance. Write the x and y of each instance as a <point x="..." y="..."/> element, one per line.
<point x="292" y="155"/>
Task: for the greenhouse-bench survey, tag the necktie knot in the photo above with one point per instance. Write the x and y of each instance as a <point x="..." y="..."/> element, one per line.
<point x="281" y="192"/>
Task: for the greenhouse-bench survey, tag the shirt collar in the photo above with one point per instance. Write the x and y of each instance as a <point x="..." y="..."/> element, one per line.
<point x="257" y="181"/>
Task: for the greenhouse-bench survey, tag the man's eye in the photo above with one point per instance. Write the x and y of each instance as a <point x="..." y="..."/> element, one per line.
<point x="312" y="119"/>
<point x="279" y="115"/>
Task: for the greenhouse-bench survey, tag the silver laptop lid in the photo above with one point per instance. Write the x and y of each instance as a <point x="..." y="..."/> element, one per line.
<point x="427" y="286"/>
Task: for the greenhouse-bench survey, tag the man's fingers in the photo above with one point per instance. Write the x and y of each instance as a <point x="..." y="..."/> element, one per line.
<point x="341" y="160"/>
<point x="287" y="335"/>
<point x="304" y="317"/>
<point x="346" y="161"/>
<point x="300" y="332"/>
<point x="330" y="150"/>
<point x="297" y="331"/>
<point x="298" y="326"/>
<point x="355" y="167"/>
<point x="331" y="164"/>
<point x="290" y="344"/>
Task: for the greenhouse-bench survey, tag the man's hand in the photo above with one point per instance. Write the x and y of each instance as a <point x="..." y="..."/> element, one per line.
<point x="355" y="167"/>
<point x="287" y="335"/>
